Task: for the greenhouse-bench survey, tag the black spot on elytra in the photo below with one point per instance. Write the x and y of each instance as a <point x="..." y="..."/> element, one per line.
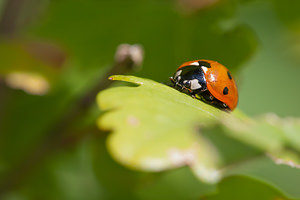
<point x="225" y="91"/>
<point x="205" y="64"/>
<point x="229" y="75"/>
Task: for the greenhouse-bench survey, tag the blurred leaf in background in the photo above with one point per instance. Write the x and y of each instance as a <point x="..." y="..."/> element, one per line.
<point x="270" y="79"/>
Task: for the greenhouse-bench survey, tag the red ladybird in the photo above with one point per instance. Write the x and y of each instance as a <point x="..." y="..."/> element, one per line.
<point x="209" y="81"/>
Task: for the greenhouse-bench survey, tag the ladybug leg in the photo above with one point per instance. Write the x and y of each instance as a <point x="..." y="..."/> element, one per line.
<point x="179" y="87"/>
<point x="173" y="83"/>
<point x="172" y="79"/>
<point x="210" y="97"/>
<point x="183" y="87"/>
<point x="186" y="86"/>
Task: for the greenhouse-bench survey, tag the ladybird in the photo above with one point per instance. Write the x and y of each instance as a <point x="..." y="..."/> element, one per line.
<point x="208" y="81"/>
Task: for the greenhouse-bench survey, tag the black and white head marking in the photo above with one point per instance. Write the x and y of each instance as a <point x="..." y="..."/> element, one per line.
<point x="204" y="65"/>
<point x="195" y="85"/>
<point x="195" y="63"/>
<point x="177" y="74"/>
<point x="187" y="83"/>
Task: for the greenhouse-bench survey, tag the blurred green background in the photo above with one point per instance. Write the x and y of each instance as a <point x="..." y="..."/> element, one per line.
<point x="69" y="44"/>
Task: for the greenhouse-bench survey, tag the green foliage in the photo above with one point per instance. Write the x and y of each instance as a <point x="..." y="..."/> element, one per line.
<point x="50" y="147"/>
<point x="155" y="127"/>
<point x="240" y="187"/>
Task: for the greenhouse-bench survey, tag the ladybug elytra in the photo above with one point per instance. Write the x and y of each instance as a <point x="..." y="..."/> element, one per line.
<point x="209" y="81"/>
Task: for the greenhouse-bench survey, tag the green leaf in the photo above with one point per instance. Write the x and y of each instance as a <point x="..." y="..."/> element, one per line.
<point x="242" y="187"/>
<point x="156" y="128"/>
<point x="268" y="132"/>
<point x="281" y="175"/>
<point x="177" y="184"/>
